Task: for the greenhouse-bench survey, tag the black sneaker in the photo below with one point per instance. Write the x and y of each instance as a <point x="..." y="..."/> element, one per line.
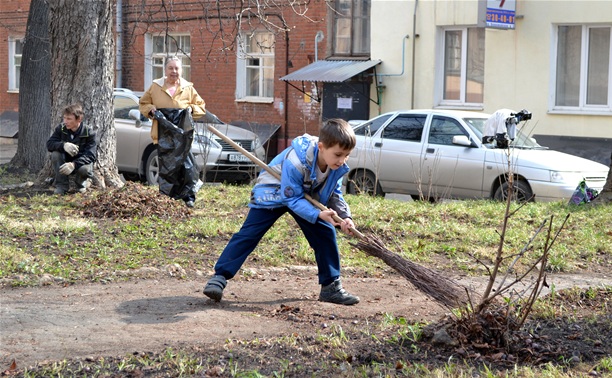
<point x="214" y="288"/>
<point x="334" y="293"/>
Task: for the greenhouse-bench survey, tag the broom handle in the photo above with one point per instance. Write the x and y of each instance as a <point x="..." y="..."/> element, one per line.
<point x="263" y="165"/>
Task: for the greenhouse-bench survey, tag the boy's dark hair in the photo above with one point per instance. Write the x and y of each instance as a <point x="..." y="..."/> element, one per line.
<point x="75" y="109"/>
<point x="337" y="131"/>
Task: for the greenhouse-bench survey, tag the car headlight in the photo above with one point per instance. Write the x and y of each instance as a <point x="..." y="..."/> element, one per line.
<point x="256" y="143"/>
<point x="556" y="176"/>
<point x="205" y="142"/>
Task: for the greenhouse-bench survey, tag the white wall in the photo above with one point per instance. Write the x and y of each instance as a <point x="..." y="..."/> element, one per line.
<point x="518" y="62"/>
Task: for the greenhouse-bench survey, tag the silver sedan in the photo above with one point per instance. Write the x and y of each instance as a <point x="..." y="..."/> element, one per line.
<point x="433" y="154"/>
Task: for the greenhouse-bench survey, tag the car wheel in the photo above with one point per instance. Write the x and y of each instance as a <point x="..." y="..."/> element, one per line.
<point x="522" y="192"/>
<point x="152" y="169"/>
<point x="364" y="182"/>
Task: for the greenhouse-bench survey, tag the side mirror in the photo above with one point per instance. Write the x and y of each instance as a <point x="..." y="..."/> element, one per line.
<point x="462" y="140"/>
<point x="135" y="115"/>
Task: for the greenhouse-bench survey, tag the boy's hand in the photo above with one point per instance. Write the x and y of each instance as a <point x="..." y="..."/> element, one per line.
<point x="71" y="148"/>
<point x="66" y="168"/>
<point x="331" y="216"/>
<point x="346" y="226"/>
<point x="328" y="216"/>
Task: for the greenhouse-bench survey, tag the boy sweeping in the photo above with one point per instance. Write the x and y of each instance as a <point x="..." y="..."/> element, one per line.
<point x="313" y="166"/>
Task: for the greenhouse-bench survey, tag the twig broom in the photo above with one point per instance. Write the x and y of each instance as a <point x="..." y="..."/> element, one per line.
<point x="430" y="282"/>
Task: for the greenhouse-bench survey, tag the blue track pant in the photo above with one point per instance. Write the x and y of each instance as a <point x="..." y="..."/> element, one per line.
<point x="321" y="236"/>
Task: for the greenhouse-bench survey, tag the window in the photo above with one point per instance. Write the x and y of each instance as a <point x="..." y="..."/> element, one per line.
<point x="351" y="34"/>
<point x="583" y="68"/>
<point x="15" y="51"/>
<point x="370" y="128"/>
<point x="122" y="106"/>
<point x="405" y="127"/>
<point x="255" y="66"/>
<point x="463" y="66"/>
<point x="164" y="46"/>
<point x="443" y="130"/>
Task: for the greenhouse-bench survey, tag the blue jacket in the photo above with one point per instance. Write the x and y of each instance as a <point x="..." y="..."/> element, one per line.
<point x="297" y="168"/>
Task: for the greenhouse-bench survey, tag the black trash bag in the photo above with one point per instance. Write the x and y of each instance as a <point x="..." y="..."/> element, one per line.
<point x="178" y="174"/>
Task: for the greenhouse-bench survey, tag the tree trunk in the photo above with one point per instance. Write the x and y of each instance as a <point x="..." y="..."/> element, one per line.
<point x="82" y="71"/>
<point x="34" y="91"/>
<point x="605" y="197"/>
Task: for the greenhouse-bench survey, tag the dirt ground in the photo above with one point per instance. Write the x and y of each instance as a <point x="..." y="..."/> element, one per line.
<point x="51" y="323"/>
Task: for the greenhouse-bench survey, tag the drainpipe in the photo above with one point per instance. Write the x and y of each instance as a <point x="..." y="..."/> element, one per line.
<point x="414" y="37"/>
<point x="403" y="59"/>
<point x="119" y="68"/>
<point x="286" y="112"/>
<point x="286" y="96"/>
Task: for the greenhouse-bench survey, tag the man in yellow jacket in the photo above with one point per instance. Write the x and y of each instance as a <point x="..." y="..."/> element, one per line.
<point x="173" y="92"/>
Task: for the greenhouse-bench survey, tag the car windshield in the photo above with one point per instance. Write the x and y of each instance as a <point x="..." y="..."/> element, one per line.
<point x="521" y="141"/>
<point x="371" y="127"/>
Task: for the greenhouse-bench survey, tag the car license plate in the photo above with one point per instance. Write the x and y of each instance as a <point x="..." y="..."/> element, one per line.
<point x="238" y="158"/>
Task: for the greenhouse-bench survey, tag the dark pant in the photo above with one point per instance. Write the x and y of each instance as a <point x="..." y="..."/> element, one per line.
<point x="61" y="181"/>
<point x="321" y="236"/>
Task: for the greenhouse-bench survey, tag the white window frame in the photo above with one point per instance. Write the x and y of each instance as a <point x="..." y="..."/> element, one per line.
<point x="13" y="82"/>
<point x="149" y="57"/>
<point x="242" y="66"/>
<point x="439" y="72"/>
<point x="583" y="107"/>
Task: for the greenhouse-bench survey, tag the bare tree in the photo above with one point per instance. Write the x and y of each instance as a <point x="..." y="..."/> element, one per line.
<point x="220" y="21"/>
<point x="35" y="91"/>
<point x="82" y="61"/>
<point x="608" y="186"/>
<point x="605" y="196"/>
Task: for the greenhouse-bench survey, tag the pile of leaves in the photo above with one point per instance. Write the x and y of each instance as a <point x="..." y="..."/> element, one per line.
<point x="133" y="200"/>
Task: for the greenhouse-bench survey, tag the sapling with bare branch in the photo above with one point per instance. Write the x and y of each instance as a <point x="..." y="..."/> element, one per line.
<point x="522" y="299"/>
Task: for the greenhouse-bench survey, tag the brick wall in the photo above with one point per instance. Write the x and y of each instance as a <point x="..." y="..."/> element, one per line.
<point x="213" y="66"/>
<point x="13" y="20"/>
<point x="213" y="60"/>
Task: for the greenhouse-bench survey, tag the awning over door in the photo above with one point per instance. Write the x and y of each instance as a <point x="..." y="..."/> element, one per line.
<point x="331" y="71"/>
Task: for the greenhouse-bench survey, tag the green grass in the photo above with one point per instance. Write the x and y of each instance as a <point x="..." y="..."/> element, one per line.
<point x="49" y="235"/>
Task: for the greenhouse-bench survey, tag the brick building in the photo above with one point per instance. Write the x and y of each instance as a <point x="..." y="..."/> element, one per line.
<point x="13" y="20"/>
<point x="235" y="58"/>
